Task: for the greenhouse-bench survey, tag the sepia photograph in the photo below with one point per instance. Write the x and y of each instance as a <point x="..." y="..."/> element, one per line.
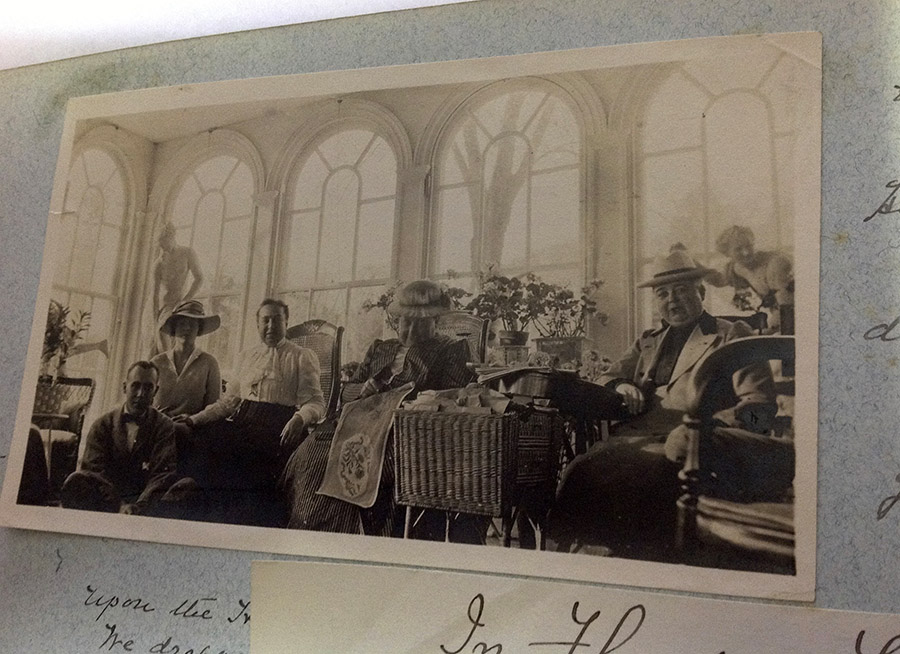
<point x="551" y="314"/>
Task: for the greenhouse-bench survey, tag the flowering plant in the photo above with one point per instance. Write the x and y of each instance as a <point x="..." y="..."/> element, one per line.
<point x="558" y="311"/>
<point x="503" y="298"/>
<point x="61" y="333"/>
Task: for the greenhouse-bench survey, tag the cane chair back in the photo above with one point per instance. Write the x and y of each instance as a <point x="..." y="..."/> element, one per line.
<point x="324" y="339"/>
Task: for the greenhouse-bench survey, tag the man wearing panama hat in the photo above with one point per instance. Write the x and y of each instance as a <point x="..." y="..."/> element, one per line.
<point x="622" y="493"/>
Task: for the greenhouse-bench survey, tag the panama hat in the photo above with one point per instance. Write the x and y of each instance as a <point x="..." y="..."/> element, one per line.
<point x="191" y="309"/>
<point x="676" y="266"/>
<point x="420" y="299"/>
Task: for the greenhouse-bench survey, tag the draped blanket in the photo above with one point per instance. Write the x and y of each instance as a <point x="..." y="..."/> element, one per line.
<point x="356" y="457"/>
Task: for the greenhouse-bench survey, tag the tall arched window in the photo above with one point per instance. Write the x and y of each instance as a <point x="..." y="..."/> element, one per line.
<point x="91" y="231"/>
<point x="212" y="211"/>
<point x="337" y="232"/>
<point x="508" y="189"/>
<point x="714" y="152"/>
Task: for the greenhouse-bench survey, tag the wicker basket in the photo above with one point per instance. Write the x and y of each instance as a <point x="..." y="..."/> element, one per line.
<point x="541" y="434"/>
<point x="475" y="463"/>
<point x="456" y="461"/>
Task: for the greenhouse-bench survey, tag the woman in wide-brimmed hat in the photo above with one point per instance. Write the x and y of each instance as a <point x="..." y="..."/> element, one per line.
<point x="419" y="355"/>
<point x="189" y="378"/>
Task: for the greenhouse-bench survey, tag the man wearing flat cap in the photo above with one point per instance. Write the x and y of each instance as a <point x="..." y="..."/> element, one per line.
<point x="624" y="491"/>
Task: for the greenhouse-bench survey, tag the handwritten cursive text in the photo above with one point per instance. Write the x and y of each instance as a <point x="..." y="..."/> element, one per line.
<point x="887" y="206"/>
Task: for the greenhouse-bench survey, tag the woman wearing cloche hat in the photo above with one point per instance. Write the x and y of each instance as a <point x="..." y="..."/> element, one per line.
<point x="419" y="355"/>
<point x="189" y="378"/>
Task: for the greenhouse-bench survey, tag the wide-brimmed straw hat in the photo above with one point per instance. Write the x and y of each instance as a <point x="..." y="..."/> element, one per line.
<point x="191" y="309"/>
<point x="420" y="299"/>
<point x="676" y="266"/>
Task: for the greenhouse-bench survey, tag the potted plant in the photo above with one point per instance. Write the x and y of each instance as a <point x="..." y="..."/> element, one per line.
<point x="501" y="298"/>
<point x="562" y="322"/>
<point x="62" y="331"/>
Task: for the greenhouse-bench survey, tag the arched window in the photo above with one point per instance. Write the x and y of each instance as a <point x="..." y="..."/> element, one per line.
<point x="337" y="232"/>
<point x="91" y="232"/>
<point x="508" y="188"/>
<point x="212" y="212"/>
<point x="712" y="153"/>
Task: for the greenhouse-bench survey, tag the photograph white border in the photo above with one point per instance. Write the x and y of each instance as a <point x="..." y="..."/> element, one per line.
<point x="214" y="96"/>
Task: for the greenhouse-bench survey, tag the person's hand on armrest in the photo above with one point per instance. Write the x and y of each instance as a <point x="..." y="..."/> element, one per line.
<point x="293" y="433"/>
<point x="632" y="397"/>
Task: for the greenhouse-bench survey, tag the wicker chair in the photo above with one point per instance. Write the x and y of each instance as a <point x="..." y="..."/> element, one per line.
<point x="60" y="406"/>
<point x="741" y="516"/>
<point x="461" y="324"/>
<point x="324" y="339"/>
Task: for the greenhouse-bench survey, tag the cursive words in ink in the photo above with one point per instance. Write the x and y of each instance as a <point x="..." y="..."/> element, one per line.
<point x="95" y="598"/>
<point x="893" y="644"/>
<point x="887" y="206"/>
<point x="888" y="503"/>
<point x="631" y="620"/>
<point x="883" y="331"/>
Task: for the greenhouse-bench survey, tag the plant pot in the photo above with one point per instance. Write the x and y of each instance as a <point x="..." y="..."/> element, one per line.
<point x="564" y="349"/>
<point x="506" y="337"/>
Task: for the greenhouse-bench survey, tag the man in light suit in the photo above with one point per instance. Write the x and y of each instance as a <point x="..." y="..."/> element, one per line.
<point x="622" y="493"/>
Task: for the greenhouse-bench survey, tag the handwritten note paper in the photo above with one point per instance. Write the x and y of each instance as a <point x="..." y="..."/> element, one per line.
<point x="342" y="609"/>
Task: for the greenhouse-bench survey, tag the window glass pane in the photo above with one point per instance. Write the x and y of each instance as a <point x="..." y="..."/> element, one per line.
<point x="206" y="238"/>
<point x="670" y="203"/>
<point x="555" y="218"/>
<point x="345" y="148"/>
<point x="185" y="203"/>
<point x="182" y="236"/>
<point x="65" y="227"/>
<point x="554" y="136"/>
<point x="567" y="276"/>
<point x="76" y="184"/>
<point x="452" y="241"/>
<point x="86" y="235"/>
<point x="309" y="183"/>
<point x="513" y="239"/>
<point x="739" y="164"/>
<point x="232" y="273"/>
<point x="330" y="305"/>
<point x="378" y="171"/>
<point x="376" y="237"/>
<point x="338" y="227"/>
<point x="363" y="327"/>
<point x="784" y="162"/>
<point x="302" y="243"/>
<point x="213" y="173"/>
<point x="115" y="204"/>
<point x="298" y="306"/>
<point x="780" y="87"/>
<point x="674" y="116"/>
<point x="91" y="208"/>
<point x="99" y="166"/>
<point x="461" y="161"/>
<point x="105" y="265"/>
<point x="239" y="192"/>
<point x="222" y="343"/>
<point x="504" y="161"/>
<point x="510" y="111"/>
